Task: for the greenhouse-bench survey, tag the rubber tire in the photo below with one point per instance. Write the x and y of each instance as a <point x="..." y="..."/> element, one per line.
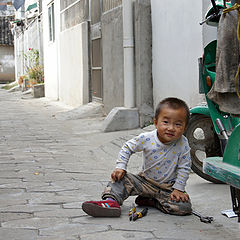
<point x="210" y="144"/>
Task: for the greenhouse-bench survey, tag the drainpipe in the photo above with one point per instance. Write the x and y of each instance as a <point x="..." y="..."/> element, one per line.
<point x="128" y="52"/>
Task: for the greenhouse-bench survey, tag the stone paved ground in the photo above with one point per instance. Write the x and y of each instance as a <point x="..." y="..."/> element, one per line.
<point x="48" y="167"/>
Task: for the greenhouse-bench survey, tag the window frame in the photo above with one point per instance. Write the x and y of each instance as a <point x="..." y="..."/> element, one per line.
<point x="51" y="22"/>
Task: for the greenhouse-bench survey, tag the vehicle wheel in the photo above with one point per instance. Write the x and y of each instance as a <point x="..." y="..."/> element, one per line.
<point x="204" y="143"/>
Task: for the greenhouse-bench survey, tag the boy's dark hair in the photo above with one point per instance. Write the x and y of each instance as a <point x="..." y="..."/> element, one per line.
<point x="174" y="103"/>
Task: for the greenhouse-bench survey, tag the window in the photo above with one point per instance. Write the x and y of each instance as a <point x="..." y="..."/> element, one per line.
<point x="51" y="22"/>
<point x="73" y="12"/>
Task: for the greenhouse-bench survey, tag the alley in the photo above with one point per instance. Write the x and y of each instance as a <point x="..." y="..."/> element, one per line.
<point x="50" y="164"/>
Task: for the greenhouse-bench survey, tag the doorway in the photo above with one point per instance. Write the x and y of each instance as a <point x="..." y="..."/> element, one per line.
<point x="96" y="51"/>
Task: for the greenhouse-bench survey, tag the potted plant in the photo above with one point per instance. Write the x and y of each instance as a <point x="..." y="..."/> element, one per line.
<point x="34" y="72"/>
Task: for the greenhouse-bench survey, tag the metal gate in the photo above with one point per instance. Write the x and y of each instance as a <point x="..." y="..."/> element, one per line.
<point x="98" y="7"/>
<point x="96" y="50"/>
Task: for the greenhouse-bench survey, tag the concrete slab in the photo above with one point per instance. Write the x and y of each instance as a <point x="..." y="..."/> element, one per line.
<point x="89" y="110"/>
<point x="121" y="118"/>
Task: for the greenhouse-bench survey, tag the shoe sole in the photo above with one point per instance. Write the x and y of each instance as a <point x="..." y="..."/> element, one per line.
<point x="97" y="211"/>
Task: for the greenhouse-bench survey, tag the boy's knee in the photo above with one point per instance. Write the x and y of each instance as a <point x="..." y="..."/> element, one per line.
<point x="178" y="208"/>
<point x="115" y="190"/>
<point x="175" y="208"/>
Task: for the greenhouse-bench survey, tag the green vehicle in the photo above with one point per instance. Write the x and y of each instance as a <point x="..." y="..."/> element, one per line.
<point x="214" y="134"/>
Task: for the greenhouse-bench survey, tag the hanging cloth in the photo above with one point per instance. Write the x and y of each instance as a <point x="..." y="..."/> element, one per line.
<point x="225" y="88"/>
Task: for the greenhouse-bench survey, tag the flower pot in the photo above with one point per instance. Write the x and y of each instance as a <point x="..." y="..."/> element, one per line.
<point x="38" y="90"/>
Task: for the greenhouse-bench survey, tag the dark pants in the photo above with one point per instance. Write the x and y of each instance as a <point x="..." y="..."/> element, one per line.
<point x="131" y="185"/>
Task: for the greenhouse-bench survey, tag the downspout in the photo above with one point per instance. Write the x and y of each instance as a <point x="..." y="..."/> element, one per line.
<point x="127" y="117"/>
<point x="128" y="52"/>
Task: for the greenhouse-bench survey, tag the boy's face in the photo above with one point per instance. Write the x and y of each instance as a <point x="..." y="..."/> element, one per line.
<point x="171" y="124"/>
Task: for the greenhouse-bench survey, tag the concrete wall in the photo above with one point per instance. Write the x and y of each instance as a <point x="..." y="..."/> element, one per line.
<point x="112" y="53"/>
<point x="31" y="36"/>
<point x="19" y="58"/>
<point x="112" y="47"/>
<point x="7" y="64"/>
<point x="51" y="53"/>
<point x="143" y="61"/>
<point x="177" y="44"/>
<point x="209" y="33"/>
<point x="73" y="77"/>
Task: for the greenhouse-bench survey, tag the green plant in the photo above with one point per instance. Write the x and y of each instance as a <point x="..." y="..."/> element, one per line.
<point x="34" y="70"/>
<point x="31" y="58"/>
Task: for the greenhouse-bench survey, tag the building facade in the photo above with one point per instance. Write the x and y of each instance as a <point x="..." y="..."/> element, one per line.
<point x="85" y="43"/>
<point x="7" y="65"/>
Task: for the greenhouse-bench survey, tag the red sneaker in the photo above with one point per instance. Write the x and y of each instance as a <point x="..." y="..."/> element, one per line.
<point x="145" y="201"/>
<point x="105" y="208"/>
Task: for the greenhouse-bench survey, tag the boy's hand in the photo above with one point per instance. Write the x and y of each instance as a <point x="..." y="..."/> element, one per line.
<point x="118" y="174"/>
<point x="179" y="196"/>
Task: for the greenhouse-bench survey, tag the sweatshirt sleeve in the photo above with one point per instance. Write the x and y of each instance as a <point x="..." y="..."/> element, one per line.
<point x="183" y="169"/>
<point x="130" y="147"/>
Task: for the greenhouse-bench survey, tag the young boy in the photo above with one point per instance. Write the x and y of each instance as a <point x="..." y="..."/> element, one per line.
<point x="165" y="170"/>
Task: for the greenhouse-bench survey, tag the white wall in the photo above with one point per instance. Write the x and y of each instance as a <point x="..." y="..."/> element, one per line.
<point x="73" y="84"/>
<point x="209" y="32"/>
<point x="51" y="53"/>
<point x="66" y="61"/>
<point x="177" y="45"/>
<point x="19" y="59"/>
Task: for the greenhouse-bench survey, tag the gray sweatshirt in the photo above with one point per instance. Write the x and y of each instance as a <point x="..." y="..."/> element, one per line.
<point x="164" y="163"/>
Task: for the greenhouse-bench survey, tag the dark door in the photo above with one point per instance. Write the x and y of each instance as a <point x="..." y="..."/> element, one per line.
<point x="96" y="50"/>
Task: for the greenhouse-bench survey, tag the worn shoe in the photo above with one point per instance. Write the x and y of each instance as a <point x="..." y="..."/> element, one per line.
<point x="104" y="208"/>
<point x="145" y="201"/>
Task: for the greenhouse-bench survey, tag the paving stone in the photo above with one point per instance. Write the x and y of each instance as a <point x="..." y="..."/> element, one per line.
<point x="10" y="191"/>
<point x="4" y="181"/>
<point x="17" y="234"/>
<point x="66" y="230"/>
<point x="57" y="238"/>
<point x="10" y="174"/>
<point x="23" y="185"/>
<point x="8" y="216"/>
<point x="118" y="234"/>
<point x="8" y="166"/>
<point x="34" y="223"/>
<point x="6" y="202"/>
<point x="72" y="205"/>
<point x="28" y="208"/>
<point x="89" y="188"/>
<point x="36" y="198"/>
<point x="53" y="200"/>
<point x="52" y="176"/>
<point x="61" y="213"/>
